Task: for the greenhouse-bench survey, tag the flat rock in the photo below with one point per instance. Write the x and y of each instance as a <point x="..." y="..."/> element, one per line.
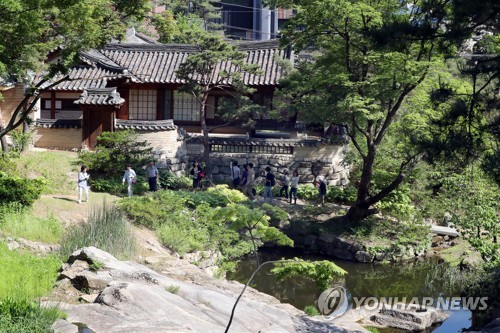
<point x="444" y="231"/>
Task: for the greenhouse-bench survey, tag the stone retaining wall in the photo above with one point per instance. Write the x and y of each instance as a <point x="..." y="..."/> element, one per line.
<point x="324" y="160"/>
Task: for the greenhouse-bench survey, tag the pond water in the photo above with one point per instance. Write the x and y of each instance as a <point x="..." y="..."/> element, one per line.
<point x="363" y="280"/>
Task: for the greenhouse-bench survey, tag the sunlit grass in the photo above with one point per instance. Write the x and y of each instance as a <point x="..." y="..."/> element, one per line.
<point x="52" y="165"/>
<point x="18" y="221"/>
<point x="23" y="275"/>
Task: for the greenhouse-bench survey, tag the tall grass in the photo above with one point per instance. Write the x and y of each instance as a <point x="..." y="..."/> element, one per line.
<point x="19" y="221"/>
<point x="23" y="275"/>
<point x="18" y="315"/>
<point x="106" y="228"/>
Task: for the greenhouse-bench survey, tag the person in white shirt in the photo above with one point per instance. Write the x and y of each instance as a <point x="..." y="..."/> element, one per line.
<point x="235" y="174"/>
<point x="83" y="176"/>
<point x="130" y="177"/>
<point x="294" y="184"/>
<point x="249" y="188"/>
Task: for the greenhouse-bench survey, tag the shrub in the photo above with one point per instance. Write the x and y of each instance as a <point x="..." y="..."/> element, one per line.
<point x="22" y="190"/>
<point x="311" y="310"/>
<point x="106" y="228"/>
<point x="114" y="150"/>
<point x="168" y="180"/>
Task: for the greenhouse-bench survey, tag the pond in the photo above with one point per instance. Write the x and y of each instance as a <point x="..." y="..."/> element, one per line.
<point x="406" y="279"/>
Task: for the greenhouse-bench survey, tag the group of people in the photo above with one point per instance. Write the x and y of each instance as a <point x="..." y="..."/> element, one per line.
<point x="240" y="177"/>
<point x="245" y="178"/>
<point x="129" y="177"/>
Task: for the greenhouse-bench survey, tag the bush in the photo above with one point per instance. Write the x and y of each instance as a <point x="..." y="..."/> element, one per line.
<point x="311" y="310"/>
<point x="22" y="190"/>
<point x="114" y="150"/>
<point x="106" y="228"/>
<point x="168" y="180"/>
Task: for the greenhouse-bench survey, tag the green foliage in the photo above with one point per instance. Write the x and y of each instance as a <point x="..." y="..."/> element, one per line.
<point x="372" y="329"/>
<point x="168" y="180"/>
<point x="114" y="151"/>
<point x="20" y="140"/>
<point x="322" y="272"/>
<point x="25" y="316"/>
<point x="311" y="310"/>
<point x="398" y="204"/>
<point x="32" y="30"/>
<point x="6" y="162"/>
<point x="210" y="220"/>
<point x="474" y="204"/>
<point x="106" y="228"/>
<point x="18" y="221"/>
<point x="41" y="164"/>
<point x="21" y="190"/>
<point x="173" y="289"/>
<point x="24" y="275"/>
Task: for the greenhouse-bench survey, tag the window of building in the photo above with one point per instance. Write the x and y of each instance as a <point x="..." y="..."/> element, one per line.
<point x="186" y="107"/>
<point x="248" y="149"/>
<point x="142" y="104"/>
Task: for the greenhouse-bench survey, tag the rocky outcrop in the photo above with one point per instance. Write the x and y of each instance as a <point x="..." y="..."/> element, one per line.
<point x="134" y="298"/>
<point x="410" y="318"/>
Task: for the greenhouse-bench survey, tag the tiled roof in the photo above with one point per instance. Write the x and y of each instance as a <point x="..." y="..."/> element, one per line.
<point x="100" y="96"/>
<point x="82" y="77"/>
<point x="146" y="125"/>
<point x="58" y="123"/>
<point x="158" y="63"/>
<point x="258" y="142"/>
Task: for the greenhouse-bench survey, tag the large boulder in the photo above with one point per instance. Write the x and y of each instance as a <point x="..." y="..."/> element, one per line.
<point x="138" y="299"/>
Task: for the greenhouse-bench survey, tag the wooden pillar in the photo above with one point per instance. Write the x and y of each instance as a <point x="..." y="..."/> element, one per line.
<point x="52" y="105"/>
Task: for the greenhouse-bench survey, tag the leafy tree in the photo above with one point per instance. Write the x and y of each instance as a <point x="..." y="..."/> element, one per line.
<point x="202" y="78"/>
<point x="30" y="30"/>
<point x="373" y="56"/>
<point x="114" y="150"/>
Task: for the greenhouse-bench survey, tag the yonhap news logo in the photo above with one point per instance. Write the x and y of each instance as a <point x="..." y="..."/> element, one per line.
<point x="334" y="302"/>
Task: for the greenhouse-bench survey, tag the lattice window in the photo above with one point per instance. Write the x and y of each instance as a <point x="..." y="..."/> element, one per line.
<point x="186" y="107"/>
<point x="249" y="149"/>
<point x="142" y="104"/>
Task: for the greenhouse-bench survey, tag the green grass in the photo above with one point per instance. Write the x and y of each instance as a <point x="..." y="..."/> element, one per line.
<point x="106" y="228"/>
<point x="23" y="275"/>
<point x="18" y="221"/>
<point x="52" y="165"/>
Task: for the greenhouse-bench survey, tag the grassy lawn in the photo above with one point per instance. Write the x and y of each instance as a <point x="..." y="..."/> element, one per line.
<point x="55" y="166"/>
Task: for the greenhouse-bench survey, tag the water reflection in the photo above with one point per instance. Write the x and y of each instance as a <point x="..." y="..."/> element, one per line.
<point x="364" y="280"/>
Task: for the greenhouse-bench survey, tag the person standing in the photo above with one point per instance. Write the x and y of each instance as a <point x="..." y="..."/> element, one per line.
<point x="153" y="175"/>
<point x="130" y="177"/>
<point x="294" y="185"/>
<point x="249" y="189"/>
<point x="286" y="185"/>
<point x="268" y="186"/>
<point x="195" y="172"/>
<point x="83" y="176"/>
<point x="321" y="190"/>
<point x="235" y="174"/>
<point x="244" y="178"/>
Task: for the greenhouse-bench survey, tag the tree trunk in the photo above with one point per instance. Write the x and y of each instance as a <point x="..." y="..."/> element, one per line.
<point x="361" y="207"/>
<point x="359" y="211"/>
<point x="3" y="141"/>
<point x="204" y="129"/>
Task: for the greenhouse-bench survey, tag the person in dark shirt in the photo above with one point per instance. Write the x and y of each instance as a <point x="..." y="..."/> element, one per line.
<point x="268" y="186"/>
